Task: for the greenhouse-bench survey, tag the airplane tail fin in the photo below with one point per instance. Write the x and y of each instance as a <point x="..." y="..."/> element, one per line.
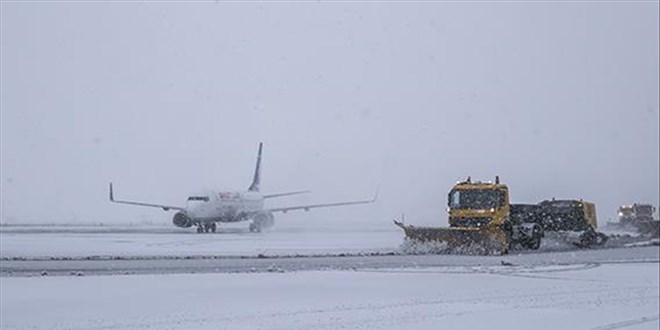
<point x="257" y="172"/>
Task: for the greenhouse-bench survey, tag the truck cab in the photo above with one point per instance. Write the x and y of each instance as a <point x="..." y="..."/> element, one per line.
<point x="483" y="204"/>
<point x="477" y="205"/>
<point x="486" y="206"/>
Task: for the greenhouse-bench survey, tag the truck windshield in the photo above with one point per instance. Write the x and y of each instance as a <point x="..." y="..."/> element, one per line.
<point x="625" y="210"/>
<point x="475" y="199"/>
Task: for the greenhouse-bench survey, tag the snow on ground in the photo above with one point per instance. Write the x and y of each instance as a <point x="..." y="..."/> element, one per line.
<point x="580" y="296"/>
<point x="235" y="240"/>
<point x="83" y="241"/>
<point x="594" y="289"/>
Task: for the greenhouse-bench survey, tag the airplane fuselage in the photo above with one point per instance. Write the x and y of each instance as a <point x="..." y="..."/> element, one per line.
<point x="224" y="206"/>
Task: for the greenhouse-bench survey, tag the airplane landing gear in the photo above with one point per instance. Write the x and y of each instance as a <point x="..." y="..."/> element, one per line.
<point x="206" y="227"/>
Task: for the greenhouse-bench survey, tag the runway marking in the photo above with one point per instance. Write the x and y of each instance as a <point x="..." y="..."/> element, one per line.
<point x="628" y="323"/>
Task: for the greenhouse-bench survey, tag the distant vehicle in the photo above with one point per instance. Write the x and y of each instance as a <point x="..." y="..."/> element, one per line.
<point x="630" y="214"/>
<point x="639" y="217"/>
<point x="205" y="210"/>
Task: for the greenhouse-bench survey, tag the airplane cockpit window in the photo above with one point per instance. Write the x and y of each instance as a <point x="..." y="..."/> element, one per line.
<point x="198" y="198"/>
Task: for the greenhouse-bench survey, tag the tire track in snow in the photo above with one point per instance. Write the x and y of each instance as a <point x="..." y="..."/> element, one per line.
<point x="532" y="273"/>
<point x="513" y="271"/>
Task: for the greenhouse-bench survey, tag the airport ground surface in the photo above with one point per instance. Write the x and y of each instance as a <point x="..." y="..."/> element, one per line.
<point x="323" y="277"/>
<point x="105" y="250"/>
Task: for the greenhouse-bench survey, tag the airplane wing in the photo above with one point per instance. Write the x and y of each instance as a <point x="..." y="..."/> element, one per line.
<point x="164" y="207"/>
<point x="312" y="206"/>
<point x="286" y="194"/>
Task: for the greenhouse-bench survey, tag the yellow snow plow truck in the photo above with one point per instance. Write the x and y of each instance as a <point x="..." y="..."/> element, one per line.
<point x="482" y="221"/>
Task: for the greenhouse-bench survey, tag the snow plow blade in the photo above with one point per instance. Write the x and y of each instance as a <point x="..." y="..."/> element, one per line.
<point x="487" y="240"/>
<point x="590" y="238"/>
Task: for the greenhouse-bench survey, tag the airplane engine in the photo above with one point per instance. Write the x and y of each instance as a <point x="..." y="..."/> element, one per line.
<point x="264" y="220"/>
<point x="182" y="220"/>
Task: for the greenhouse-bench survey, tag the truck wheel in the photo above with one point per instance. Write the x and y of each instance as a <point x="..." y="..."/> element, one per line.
<point x="588" y="238"/>
<point x="506" y="245"/>
<point x="602" y="238"/>
<point x="535" y="243"/>
<point x="508" y="232"/>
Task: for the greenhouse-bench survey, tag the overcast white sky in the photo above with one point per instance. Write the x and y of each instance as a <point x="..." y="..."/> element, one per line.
<point x="558" y="98"/>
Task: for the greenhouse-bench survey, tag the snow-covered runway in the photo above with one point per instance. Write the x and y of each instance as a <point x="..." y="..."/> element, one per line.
<point x="319" y="278"/>
<point x="579" y="296"/>
<point x="166" y="240"/>
<point x="286" y="239"/>
<point x="246" y="264"/>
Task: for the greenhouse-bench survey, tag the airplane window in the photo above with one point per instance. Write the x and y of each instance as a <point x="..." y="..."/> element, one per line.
<point x="198" y="198"/>
<point x="229" y="195"/>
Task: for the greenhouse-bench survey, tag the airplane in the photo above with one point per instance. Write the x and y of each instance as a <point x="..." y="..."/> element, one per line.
<point x="205" y="210"/>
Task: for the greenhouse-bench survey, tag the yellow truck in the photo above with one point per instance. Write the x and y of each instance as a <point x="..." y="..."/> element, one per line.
<point x="482" y="219"/>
